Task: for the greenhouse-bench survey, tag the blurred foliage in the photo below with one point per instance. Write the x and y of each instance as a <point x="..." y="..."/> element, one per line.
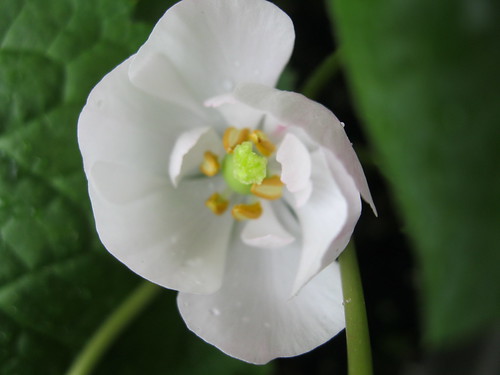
<point x="425" y="78"/>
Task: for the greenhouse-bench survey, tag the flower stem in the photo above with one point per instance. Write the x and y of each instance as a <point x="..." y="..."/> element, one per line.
<point x="359" y="356"/>
<point x="322" y="75"/>
<point x="105" y="335"/>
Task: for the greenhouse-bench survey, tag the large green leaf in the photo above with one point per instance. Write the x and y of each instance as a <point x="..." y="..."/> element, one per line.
<point x="425" y="77"/>
<point x="57" y="283"/>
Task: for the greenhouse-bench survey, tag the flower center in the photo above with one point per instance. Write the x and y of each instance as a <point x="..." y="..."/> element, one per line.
<point x="245" y="172"/>
<point x="248" y="167"/>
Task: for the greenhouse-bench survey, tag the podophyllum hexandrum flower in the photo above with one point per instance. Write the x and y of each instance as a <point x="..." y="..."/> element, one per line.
<point x="205" y="179"/>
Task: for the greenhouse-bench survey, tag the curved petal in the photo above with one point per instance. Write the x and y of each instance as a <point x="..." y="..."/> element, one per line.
<point x="125" y="137"/>
<point x="235" y="114"/>
<point x="200" y="49"/>
<point x="120" y="184"/>
<point x="327" y="220"/>
<point x="153" y="234"/>
<point x="122" y="124"/>
<point x="252" y="316"/>
<point x="266" y="232"/>
<point x="187" y="154"/>
<point x="295" y="168"/>
<point x="292" y="109"/>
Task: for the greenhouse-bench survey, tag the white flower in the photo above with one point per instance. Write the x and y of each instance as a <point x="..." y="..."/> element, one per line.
<point x="259" y="288"/>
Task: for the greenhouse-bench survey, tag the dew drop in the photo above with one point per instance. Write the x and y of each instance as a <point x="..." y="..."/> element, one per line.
<point x="194" y="262"/>
<point x="215" y="311"/>
<point x="343" y="125"/>
<point x="227" y="84"/>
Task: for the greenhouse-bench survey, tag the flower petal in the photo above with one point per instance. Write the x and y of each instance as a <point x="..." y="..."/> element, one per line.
<point x="237" y="115"/>
<point x="252" y="317"/>
<point x="121" y="185"/>
<point x="187" y="154"/>
<point x="201" y="49"/>
<point x="295" y="110"/>
<point x="125" y="137"/>
<point x="122" y="124"/>
<point x="266" y="232"/>
<point x="328" y="219"/>
<point x="295" y="168"/>
<point x="153" y="235"/>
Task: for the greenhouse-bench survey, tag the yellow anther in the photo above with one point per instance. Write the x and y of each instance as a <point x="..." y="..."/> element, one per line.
<point x="233" y="137"/>
<point x="217" y="204"/>
<point x="210" y="165"/>
<point x="262" y="143"/>
<point x="271" y="188"/>
<point x="247" y="211"/>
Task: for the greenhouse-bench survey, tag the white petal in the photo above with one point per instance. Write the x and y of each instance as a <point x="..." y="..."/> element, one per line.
<point x="122" y="124"/>
<point x="235" y="114"/>
<point x="187" y="154"/>
<point x="125" y="137"/>
<point x="328" y="219"/>
<point x="167" y="236"/>
<point x="120" y="184"/>
<point x="292" y="109"/>
<point x="295" y="168"/>
<point x="252" y="317"/>
<point x="266" y="232"/>
<point x="299" y="198"/>
<point x="200" y="49"/>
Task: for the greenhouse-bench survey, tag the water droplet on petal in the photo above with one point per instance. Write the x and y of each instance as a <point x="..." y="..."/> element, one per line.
<point x="343" y="125"/>
<point x="194" y="262"/>
<point x="215" y="311"/>
<point x="227" y="84"/>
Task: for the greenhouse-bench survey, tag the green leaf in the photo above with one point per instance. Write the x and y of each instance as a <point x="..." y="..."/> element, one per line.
<point x="425" y="77"/>
<point x="57" y="283"/>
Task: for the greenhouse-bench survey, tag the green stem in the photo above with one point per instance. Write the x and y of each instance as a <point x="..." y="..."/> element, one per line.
<point x="359" y="355"/>
<point x="322" y="75"/>
<point x="115" y="324"/>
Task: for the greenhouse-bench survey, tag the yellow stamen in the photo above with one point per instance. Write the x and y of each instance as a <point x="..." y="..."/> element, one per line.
<point x="247" y="211"/>
<point x="262" y="143"/>
<point x="210" y="165"/>
<point x="233" y="137"/>
<point x="217" y="204"/>
<point x="271" y="188"/>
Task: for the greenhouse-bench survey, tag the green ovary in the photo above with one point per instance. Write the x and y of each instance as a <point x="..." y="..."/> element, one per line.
<point x="249" y="168"/>
<point x="243" y="168"/>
